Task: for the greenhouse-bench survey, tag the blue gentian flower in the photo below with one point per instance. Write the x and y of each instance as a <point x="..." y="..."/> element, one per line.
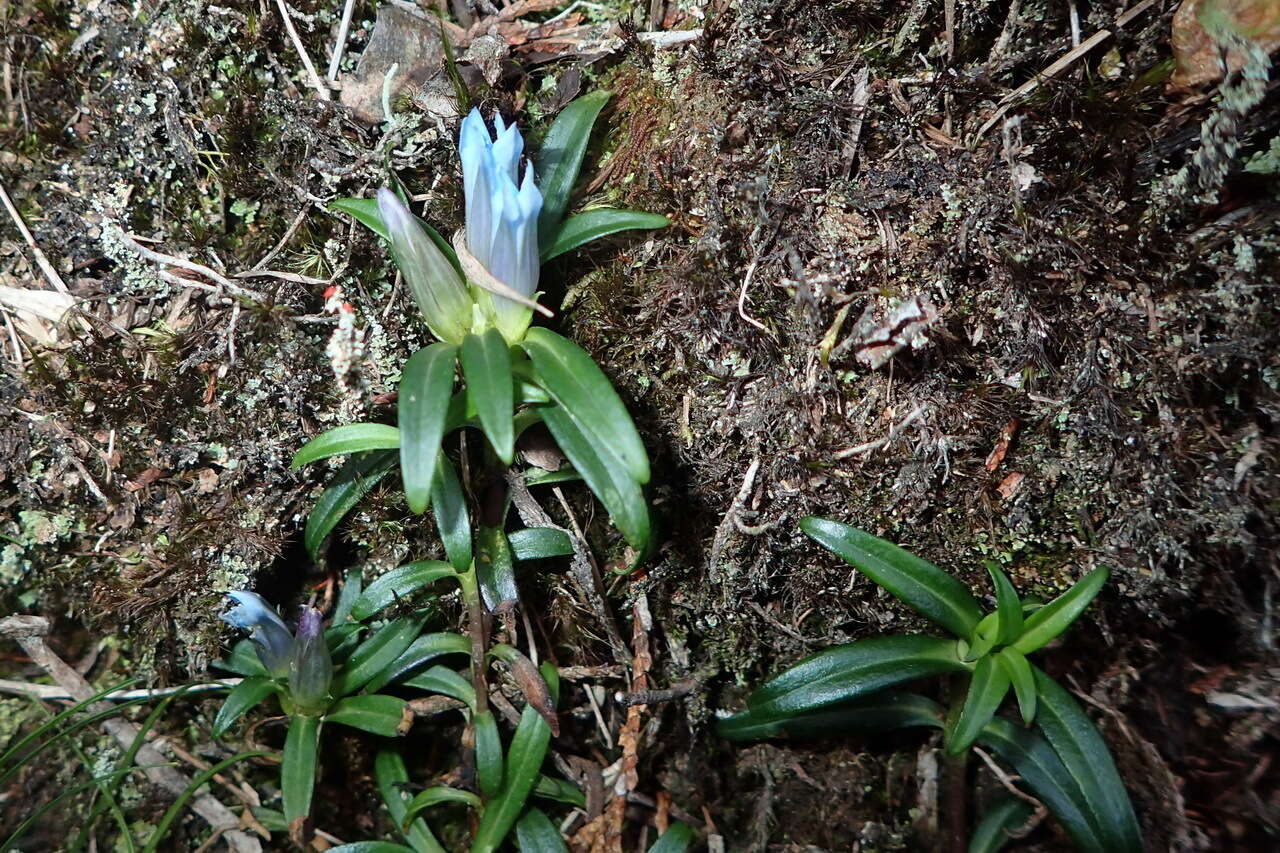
<point x="302" y="657"/>
<point x="266" y="630"/>
<point x="441" y="294"/>
<point x="502" y="219"/>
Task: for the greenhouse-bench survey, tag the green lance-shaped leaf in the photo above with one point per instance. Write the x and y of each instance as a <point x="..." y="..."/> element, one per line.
<point x="449" y="506"/>
<point x="365" y="211"/>
<point x="392" y="777"/>
<point x="298" y="768"/>
<point x="560" y="159"/>
<point x="376" y="713"/>
<point x="486" y="366"/>
<point x="356" y="479"/>
<point x="851" y="670"/>
<point x="1056" y="616"/>
<point x="437" y="794"/>
<point x="594" y="224"/>
<point x="425" y="388"/>
<point x="372" y="847"/>
<point x="539" y="543"/>
<point x="352" y="586"/>
<point x="608" y="479"/>
<point x="421" y="651"/>
<point x="676" y="839"/>
<point x="879" y="712"/>
<point x="376" y="653"/>
<point x="242" y="660"/>
<point x="1088" y="761"/>
<point x="1040" y="768"/>
<point x="446" y="682"/>
<point x="993" y="832"/>
<point x="535" y="833"/>
<point x="1008" y="607"/>
<point x="399" y="583"/>
<point x="342" y="639"/>
<point x="551" y="788"/>
<point x="488" y="754"/>
<point x="574" y="381"/>
<point x="495" y="569"/>
<point x="524" y="760"/>
<point x="987" y="690"/>
<point x="242" y="697"/>
<point x="352" y="438"/>
<point x="1018" y="668"/>
<point x="918" y="583"/>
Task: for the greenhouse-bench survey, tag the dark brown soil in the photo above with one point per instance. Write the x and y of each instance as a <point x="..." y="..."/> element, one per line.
<point x="827" y="160"/>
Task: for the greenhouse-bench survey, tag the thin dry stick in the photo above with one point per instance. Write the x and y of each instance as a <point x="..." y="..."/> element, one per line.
<point x="50" y="273"/>
<point x="316" y="83"/>
<point x="869" y="446"/>
<point x="29" y="632"/>
<point x="735" y="507"/>
<point x="584" y="571"/>
<point x="55" y="693"/>
<point x="284" y="241"/>
<point x="742" y="295"/>
<point x="198" y="268"/>
<point x="1057" y="67"/>
<point x="343" y="29"/>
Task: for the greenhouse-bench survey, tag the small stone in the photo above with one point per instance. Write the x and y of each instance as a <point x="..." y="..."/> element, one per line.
<point x="399" y="38"/>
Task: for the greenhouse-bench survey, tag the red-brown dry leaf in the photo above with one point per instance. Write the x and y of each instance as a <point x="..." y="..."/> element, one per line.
<point x="1009" y="485"/>
<point x="1002" y="445"/>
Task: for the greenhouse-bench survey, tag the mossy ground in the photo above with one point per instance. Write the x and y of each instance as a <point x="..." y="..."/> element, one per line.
<point x="1131" y="343"/>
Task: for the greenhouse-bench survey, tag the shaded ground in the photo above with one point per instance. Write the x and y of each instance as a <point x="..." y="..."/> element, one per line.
<point x="823" y="163"/>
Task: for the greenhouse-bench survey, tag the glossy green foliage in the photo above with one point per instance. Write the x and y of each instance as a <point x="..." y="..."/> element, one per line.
<point x="841" y="673"/>
<point x="486" y="367"/>
<point x="992" y="832"/>
<point x="356" y="479"/>
<point x="596" y="223"/>
<point x="560" y="159"/>
<point x="298" y="768"/>
<point x="917" y="583"/>
<point x="425" y="388"/>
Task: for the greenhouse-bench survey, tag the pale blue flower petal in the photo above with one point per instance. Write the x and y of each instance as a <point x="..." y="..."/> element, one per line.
<point x="266" y="629"/>
<point x="507" y="149"/>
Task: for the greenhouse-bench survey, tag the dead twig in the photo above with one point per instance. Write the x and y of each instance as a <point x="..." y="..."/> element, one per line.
<point x="322" y="91"/>
<point x="50" y="274"/>
<point x="344" y="27"/>
<point x="192" y="266"/>
<point x="583" y="567"/>
<point x="653" y="697"/>
<point x="869" y="446"/>
<point x="1057" y="67"/>
<point x="55" y="693"/>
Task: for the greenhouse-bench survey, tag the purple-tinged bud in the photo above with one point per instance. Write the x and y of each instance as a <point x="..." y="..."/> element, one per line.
<point x="441" y="294"/>
<point x="312" y="669"/>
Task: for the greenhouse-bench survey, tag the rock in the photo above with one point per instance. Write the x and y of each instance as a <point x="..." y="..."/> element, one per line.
<point x="399" y="38"/>
<point x="1197" y="53"/>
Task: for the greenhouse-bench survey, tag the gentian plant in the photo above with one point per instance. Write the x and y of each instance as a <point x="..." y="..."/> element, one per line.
<point x="1061" y="758"/>
<point x="297" y="667"/>
<point x="491" y="371"/>
<point x="477" y="295"/>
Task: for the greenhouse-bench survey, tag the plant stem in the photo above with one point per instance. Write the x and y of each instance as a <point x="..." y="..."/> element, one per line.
<point x="956" y="798"/>
<point x="478" y="627"/>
